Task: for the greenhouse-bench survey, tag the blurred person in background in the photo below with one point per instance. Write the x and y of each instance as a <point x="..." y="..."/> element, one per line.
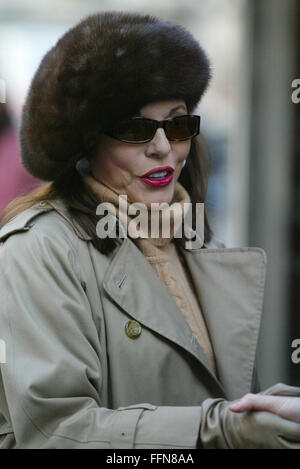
<point x="14" y="179"/>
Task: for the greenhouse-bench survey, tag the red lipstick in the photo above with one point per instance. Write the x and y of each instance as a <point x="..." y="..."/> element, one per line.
<point x="160" y="180"/>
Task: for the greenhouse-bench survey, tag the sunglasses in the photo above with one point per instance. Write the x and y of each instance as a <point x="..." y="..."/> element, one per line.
<point x="142" y="129"/>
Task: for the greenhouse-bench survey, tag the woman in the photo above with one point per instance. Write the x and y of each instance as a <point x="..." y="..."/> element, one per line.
<point x="127" y="341"/>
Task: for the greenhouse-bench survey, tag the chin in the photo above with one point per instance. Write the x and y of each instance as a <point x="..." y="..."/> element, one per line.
<point x="151" y="195"/>
<point x="159" y="198"/>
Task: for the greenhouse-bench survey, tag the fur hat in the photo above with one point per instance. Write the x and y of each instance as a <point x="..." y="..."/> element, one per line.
<point x="102" y="70"/>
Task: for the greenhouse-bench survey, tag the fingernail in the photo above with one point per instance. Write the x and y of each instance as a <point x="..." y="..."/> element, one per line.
<point x="235" y="403"/>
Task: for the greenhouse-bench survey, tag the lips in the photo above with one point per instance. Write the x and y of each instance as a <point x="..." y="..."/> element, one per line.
<point x="158" y="181"/>
<point x="158" y="170"/>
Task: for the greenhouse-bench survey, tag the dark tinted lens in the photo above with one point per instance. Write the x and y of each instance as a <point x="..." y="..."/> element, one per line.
<point x="182" y="127"/>
<point x="134" y="129"/>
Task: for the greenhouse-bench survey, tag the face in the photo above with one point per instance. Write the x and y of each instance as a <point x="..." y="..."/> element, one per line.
<point x="120" y="165"/>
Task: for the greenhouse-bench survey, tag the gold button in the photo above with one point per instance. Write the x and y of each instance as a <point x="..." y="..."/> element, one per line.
<point x="133" y="329"/>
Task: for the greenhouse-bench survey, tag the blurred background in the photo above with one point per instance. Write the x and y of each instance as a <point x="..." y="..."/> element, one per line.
<point x="248" y="117"/>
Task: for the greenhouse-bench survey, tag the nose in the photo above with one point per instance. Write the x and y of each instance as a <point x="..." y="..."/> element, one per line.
<point x="159" y="145"/>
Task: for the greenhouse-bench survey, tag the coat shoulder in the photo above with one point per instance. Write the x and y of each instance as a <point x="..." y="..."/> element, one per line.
<point x="43" y="220"/>
<point x="39" y="239"/>
<point x="214" y="243"/>
<point x="48" y="227"/>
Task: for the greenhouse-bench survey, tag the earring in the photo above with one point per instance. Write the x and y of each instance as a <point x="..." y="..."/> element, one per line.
<point x="183" y="164"/>
<point x="83" y="167"/>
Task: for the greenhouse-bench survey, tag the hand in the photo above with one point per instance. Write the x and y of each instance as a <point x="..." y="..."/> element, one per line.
<point x="287" y="407"/>
<point x="222" y="428"/>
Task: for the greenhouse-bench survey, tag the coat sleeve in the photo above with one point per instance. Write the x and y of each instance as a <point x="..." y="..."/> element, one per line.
<point x="51" y="379"/>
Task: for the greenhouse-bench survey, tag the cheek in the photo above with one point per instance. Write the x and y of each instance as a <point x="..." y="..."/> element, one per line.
<point x="118" y="163"/>
<point x="125" y="163"/>
<point x="182" y="150"/>
<point x="187" y="147"/>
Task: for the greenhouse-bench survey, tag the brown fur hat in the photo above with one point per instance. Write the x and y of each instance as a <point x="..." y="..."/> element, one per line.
<point x="102" y="70"/>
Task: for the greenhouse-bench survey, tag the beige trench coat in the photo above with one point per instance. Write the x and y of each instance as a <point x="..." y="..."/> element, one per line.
<point x="74" y="379"/>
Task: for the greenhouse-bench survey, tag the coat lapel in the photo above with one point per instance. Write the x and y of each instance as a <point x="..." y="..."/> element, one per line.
<point x="230" y="288"/>
<point x="133" y="284"/>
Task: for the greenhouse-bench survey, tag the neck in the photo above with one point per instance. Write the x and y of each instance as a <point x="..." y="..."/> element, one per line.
<point x="145" y="223"/>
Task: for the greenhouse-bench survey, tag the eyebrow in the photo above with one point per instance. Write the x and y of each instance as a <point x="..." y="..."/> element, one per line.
<point x="171" y="112"/>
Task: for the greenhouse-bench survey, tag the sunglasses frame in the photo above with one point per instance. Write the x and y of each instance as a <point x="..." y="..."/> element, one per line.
<point x="158" y="124"/>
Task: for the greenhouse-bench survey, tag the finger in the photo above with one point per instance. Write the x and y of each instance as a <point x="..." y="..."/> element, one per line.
<point x="240" y="406"/>
<point x="255" y="402"/>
